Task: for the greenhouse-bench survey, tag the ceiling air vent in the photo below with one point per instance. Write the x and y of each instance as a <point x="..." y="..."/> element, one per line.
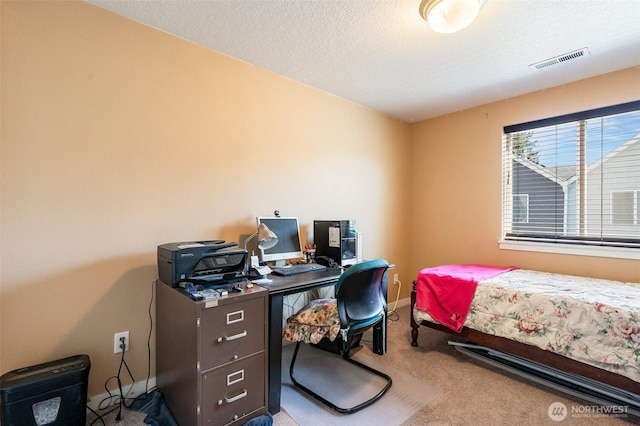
<point x="560" y="59"/>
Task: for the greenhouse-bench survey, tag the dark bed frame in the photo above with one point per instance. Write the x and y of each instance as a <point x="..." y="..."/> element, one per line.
<point x="527" y="351"/>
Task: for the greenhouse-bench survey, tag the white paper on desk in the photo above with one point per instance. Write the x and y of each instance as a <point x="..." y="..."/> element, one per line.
<point x="190" y="245"/>
<point x="263" y="270"/>
<point x="262" y="281"/>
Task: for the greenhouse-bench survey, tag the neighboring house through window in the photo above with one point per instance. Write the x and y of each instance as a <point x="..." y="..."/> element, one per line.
<point x="574" y="180"/>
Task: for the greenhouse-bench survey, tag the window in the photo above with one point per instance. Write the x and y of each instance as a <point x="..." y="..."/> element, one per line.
<point x="624" y="207"/>
<point x="520" y="208"/>
<point x="574" y="179"/>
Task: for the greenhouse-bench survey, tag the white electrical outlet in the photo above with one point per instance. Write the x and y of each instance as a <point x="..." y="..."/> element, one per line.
<point x="116" y="342"/>
<point x="396" y="280"/>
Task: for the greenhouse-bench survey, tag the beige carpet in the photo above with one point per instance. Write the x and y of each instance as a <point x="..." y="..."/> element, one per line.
<point x="132" y="418"/>
<point x="348" y="385"/>
<point x="127" y="418"/>
<point x="469" y="392"/>
<point x="472" y="393"/>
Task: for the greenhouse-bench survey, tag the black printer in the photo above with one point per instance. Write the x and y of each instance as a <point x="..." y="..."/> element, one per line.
<point x="214" y="262"/>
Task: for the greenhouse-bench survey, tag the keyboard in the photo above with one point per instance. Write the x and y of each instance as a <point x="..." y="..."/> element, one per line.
<point x="299" y="268"/>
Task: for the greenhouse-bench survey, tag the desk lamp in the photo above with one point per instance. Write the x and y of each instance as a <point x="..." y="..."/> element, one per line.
<point x="266" y="240"/>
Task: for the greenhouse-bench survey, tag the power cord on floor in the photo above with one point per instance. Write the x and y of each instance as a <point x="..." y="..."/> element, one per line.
<point x="393" y="315"/>
<point x="122" y="398"/>
<point x="153" y="286"/>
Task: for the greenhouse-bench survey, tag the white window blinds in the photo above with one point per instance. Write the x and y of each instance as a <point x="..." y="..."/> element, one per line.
<point x="574" y="179"/>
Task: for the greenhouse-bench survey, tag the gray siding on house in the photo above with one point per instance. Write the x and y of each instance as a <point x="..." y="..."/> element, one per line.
<point x="544" y="216"/>
<point x="622" y="173"/>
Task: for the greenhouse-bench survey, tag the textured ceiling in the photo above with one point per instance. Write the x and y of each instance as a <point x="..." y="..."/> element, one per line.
<point x="381" y="53"/>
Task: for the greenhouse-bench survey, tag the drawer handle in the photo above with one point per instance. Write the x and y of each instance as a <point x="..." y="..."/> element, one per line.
<point x="234" y="337"/>
<point x="234" y="399"/>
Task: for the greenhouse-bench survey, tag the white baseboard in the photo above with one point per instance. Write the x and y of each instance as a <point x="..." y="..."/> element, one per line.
<point x="138" y="388"/>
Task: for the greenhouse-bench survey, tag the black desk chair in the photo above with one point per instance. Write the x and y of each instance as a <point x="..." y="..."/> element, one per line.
<point x="337" y="324"/>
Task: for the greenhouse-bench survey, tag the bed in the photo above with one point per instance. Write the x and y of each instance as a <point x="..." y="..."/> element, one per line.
<point x="584" y="326"/>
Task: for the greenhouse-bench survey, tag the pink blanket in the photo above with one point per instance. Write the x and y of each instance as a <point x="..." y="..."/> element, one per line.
<point x="445" y="292"/>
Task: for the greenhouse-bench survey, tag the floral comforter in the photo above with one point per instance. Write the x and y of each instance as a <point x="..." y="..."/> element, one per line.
<point x="590" y="320"/>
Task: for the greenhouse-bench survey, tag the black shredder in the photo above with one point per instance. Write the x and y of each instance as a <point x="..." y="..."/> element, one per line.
<point x="53" y="393"/>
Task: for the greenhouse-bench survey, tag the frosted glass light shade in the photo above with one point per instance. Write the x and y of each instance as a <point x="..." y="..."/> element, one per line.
<point x="449" y="16"/>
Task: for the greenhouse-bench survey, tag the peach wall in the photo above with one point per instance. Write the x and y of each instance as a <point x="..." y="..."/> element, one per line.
<point x="456" y="180"/>
<point x="117" y="137"/>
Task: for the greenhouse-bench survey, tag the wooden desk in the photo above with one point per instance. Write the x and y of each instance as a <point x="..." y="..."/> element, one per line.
<point x="280" y="287"/>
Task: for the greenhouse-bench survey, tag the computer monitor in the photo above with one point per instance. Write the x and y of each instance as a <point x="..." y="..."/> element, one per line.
<point x="289" y="244"/>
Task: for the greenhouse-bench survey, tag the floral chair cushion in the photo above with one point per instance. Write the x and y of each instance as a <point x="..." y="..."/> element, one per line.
<point x="313" y="322"/>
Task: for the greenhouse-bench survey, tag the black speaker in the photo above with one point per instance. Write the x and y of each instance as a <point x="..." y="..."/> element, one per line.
<point x="53" y="393"/>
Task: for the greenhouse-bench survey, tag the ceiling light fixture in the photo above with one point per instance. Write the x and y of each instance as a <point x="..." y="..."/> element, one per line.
<point x="449" y="16"/>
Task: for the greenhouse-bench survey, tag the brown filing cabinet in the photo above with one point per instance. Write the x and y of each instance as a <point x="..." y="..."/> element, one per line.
<point x="211" y="357"/>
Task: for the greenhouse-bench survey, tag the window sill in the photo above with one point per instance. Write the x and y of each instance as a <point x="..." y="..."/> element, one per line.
<point x="578" y="250"/>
